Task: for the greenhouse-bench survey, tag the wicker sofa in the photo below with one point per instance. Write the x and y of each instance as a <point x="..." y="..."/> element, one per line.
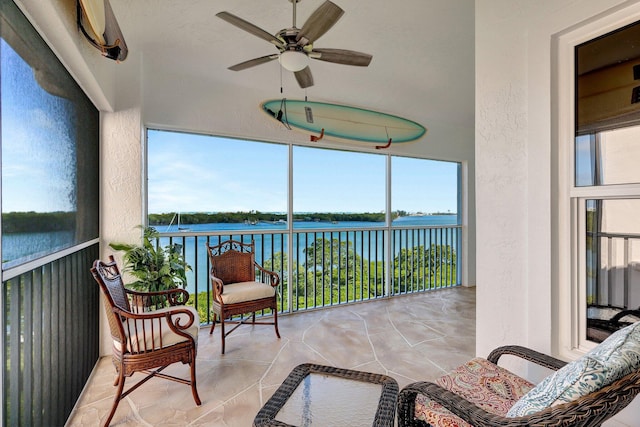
<point x="585" y="392"/>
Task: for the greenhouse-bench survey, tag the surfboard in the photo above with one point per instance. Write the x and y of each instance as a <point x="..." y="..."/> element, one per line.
<point x="343" y="122"/>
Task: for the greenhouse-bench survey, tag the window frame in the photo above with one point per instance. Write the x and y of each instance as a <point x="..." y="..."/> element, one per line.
<point x="84" y="147"/>
<point x="568" y="200"/>
<point x="460" y="199"/>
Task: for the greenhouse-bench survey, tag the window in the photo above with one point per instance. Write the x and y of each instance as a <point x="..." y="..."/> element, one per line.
<point x="191" y="176"/>
<point x="202" y="182"/>
<point x="330" y="182"/>
<point x="49" y="229"/>
<point x="49" y="152"/>
<point x="424" y="188"/>
<point x="607" y="181"/>
<point x="319" y="217"/>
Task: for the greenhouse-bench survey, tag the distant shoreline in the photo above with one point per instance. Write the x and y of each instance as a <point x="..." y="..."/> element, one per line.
<point x="255" y="216"/>
<point x="43" y="222"/>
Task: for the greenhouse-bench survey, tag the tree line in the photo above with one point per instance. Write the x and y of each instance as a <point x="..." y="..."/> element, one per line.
<point x="37" y="222"/>
<point x="255" y="216"/>
<point x="331" y="272"/>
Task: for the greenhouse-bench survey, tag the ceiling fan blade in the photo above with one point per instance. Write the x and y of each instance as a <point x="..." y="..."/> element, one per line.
<point x="304" y="77"/>
<point x="319" y="23"/>
<point x="250" y="28"/>
<point x="253" y="62"/>
<point x="342" y="56"/>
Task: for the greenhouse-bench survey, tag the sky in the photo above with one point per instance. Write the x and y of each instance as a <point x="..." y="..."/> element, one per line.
<point x="200" y="173"/>
<point x="38" y="150"/>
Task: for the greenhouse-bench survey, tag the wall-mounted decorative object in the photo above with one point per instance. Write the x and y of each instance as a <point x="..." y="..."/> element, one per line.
<point x="98" y="23"/>
<point x="342" y="122"/>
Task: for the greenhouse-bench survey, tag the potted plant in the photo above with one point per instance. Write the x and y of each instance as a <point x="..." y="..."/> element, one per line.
<point x="155" y="268"/>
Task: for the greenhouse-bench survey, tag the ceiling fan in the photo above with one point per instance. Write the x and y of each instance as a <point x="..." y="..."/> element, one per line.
<point x="295" y="45"/>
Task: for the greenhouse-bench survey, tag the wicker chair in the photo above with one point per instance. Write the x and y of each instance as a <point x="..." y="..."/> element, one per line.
<point x="147" y="341"/>
<point x="236" y="291"/>
<point x="447" y="403"/>
<point x="602" y="321"/>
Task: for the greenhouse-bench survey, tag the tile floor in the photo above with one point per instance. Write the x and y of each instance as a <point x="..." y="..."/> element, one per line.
<point x="411" y="338"/>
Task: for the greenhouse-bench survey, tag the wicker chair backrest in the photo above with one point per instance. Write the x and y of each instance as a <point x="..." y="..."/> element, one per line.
<point x="233" y="267"/>
<point x="232" y="261"/>
<point x="108" y="277"/>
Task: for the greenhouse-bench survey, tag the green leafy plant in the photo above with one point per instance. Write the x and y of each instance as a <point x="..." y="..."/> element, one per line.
<point x="156" y="268"/>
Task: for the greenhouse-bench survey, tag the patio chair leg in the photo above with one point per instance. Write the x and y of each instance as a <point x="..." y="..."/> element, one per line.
<point x="275" y="322"/>
<point x="116" y="399"/>
<point x="222" y="332"/>
<point x="213" y="323"/>
<point x="194" y="390"/>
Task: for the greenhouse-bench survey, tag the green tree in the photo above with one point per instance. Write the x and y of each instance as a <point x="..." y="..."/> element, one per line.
<point x="420" y="268"/>
<point x="330" y="274"/>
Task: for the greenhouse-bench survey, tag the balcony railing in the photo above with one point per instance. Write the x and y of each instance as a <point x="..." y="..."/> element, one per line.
<point x="50" y="311"/>
<point x="334" y="265"/>
<point x="613" y="270"/>
<point x="50" y="314"/>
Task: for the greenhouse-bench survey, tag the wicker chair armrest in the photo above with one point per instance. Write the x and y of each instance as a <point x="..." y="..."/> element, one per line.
<point x="173" y="322"/>
<point x="472" y="413"/>
<point x="588" y="411"/>
<point x="457" y="405"/>
<point x="218" y="286"/>
<point x="273" y="277"/>
<point x="147" y="315"/>
<point x="616" y="319"/>
<point x="175" y="297"/>
<point x="526" y="354"/>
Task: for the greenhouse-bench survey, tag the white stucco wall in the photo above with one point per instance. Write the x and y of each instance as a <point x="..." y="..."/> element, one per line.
<point x="121" y="189"/>
<point x="514" y="188"/>
<point x="515" y="182"/>
<point x="168" y="97"/>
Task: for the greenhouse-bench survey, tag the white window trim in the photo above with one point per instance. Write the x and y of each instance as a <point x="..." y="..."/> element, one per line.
<point x="568" y="253"/>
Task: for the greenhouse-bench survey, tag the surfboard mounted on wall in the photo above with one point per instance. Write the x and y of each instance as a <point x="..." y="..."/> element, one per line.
<point x="343" y="123"/>
<point x="97" y="22"/>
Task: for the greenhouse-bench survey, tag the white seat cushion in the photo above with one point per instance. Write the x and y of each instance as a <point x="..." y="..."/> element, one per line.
<point x="246" y="291"/>
<point x="140" y="330"/>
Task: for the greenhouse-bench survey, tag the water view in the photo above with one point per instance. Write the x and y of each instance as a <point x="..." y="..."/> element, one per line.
<point x="366" y="240"/>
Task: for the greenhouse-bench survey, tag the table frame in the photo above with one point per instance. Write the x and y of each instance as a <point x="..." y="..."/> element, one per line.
<point x="385" y="413"/>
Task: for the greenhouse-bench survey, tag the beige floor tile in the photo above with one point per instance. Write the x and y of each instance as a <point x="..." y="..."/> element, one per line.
<point x="410" y="338"/>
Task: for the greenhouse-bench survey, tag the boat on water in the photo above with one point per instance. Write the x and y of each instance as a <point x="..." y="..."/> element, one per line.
<point x="180" y="228"/>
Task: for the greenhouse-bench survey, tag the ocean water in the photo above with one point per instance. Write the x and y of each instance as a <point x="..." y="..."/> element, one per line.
<point x="405" y="221"/>
<point x="367" y="239"/>
<point x="270" y="238"/>
<point x="18" y="248"/>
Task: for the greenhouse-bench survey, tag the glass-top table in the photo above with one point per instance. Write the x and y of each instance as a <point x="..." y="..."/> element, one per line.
<point x="317" y="395"/>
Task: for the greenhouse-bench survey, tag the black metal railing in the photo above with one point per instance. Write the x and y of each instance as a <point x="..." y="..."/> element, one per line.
<point x="334" y="266"/>
<point x="51" y="338"/>
<point x="51" y="312"/>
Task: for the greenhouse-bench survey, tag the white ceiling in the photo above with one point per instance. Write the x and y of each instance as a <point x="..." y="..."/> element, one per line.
<point x="422" y="67"/>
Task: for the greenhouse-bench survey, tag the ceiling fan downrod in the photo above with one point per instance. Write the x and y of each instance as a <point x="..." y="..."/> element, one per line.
<point x="294" y="2"/>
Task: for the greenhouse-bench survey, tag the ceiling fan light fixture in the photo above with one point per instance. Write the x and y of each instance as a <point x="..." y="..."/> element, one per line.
<point x="293" y="60"/>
